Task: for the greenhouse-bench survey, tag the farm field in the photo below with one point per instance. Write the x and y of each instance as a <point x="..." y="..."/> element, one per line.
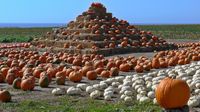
<point x="41" y="99"/>
<point x="188" y="32"/>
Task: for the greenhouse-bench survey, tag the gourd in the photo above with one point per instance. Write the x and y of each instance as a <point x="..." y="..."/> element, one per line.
<point x="167" y="93"/>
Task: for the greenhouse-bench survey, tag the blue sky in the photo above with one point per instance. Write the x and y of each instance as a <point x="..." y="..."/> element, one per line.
<point x="135" y="11"/>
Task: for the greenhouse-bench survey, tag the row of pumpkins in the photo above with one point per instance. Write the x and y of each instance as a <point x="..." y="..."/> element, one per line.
<point x="14" y="45"/>
<point x="170" y="88"/>
<point x="125" y="42"/>
<point x="21" y="63"/>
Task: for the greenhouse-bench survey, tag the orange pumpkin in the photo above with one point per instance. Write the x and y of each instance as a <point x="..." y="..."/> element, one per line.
<point x="10" y="78"/>
<point x="125" y="67"/>
<point x="105" y="74"/>
<point x="163" y="64"/>
<point x="28" y="84"/>
<point x="75" y="76"/>
<point x="91" y="75"/>
<point x="195" y="58"/>
<point x="124" y="44"/>
<point x="36" y="72"/>
<point x="172" y="62"/>
<point x="68" y="71"/>
<point x="168" y="93"/>
<point x="110" y="65"/>
<point x="99" y="70"/>
<point x="181" y="62"/>
<point x="155" y="63"/>
<point x="5" y="96"/>
<point x="1" y="77"/>
<point x="4" y="71"/>
<point x="98" y="64"/>
<point x="139" y="69"/>
<point x="85" y="69"/>
<point x="77" y="62"/>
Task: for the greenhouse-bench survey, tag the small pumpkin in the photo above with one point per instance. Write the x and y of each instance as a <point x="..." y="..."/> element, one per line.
<point x="44" y="81"/>
<point x="60" y="80"/>
<point x="85" y="69"/>
<point x="139" y="69"/>
<point x="91" y="75"/>
<point x="168" y="93"/>
<point x="75" y="76"/>
<point x="125" y="67"/>
<point x="99" y="70"/>
<point x="17" y="83"/>
<point x="1" y="77"/>
<point x="110" y="65"/>
<point x="5" y="96"/>
<point x="10" y="78"/>
<point x="114" y="71"/>
<point x="155" y="63"/>
<point x="105" y="74"/>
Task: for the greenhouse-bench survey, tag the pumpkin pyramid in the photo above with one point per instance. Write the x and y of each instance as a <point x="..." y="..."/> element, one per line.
<point x="97" y="31"/>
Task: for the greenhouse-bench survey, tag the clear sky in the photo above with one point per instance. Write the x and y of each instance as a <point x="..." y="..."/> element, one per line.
<point x="135" y="11"/>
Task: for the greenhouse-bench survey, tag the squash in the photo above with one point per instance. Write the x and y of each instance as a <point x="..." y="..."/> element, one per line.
<point x="75" y="76"/>
<point x="91" y="75"/>
<point x="85" y="69"/>
<point x="99" y="70"/>
<point x="1" y="77"/>
<point x="139" y="69"/>
<point x="155" y="63"/>
<point x="28" y="83"/>
<point x="110" y="65"/>
<point x="125" y="67"/>
<point x="10" y="78"/>
<point x="114" y="71"/>
<point x="17" y="83"/>
<point x="168" y="93"/>
<point x="44" y="81"/>
<point x="105" y="74"/>
<point x="5" y="96"/>
<point x="60" y="80"/>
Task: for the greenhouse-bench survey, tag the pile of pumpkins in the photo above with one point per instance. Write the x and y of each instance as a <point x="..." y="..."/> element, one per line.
<point x="188" y="44"/>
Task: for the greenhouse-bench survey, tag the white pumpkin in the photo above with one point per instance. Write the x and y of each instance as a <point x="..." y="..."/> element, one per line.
<point x="90" y="89"/>
<point x="58" y="91"/>
<point x="95" y="94"/>
<point x="73" y="91"/>
<point x="82" y="86"/>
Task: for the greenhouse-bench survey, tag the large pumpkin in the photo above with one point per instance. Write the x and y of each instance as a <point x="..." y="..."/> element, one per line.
<point x="28" y="83"/>
<point x="172" y="93"/>
<point x="5" y="96"/>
